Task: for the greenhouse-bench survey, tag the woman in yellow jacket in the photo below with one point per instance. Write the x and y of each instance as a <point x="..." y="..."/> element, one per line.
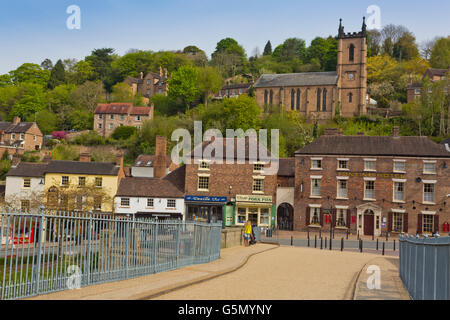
<point x="247" y="233"/>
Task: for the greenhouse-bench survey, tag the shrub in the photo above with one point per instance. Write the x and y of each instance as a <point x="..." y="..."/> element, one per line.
<point x="91" y="138"/>
<point x="123" y="132"/>
<point x="65" y="152"/>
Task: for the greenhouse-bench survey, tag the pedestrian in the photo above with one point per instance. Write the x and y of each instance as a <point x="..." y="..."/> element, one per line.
<point x="247" y="233"/>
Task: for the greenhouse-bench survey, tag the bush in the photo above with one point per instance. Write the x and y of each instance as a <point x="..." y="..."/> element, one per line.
<point x="30" y="157"/>
<point x="123" y="133"/>
<point x="91" y="138"/>
<point x="65" y="152"/>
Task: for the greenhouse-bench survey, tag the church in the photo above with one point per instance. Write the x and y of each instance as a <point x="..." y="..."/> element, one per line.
<point x="323" y="95"/>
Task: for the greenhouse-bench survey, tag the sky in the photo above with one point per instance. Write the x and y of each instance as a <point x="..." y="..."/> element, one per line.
<point x="31" y="31"/>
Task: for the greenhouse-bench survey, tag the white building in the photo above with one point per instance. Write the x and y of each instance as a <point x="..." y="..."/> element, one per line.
<point x="150" y="197"/>
<point x="25" y="185"/>
<point x="144" y="166"/>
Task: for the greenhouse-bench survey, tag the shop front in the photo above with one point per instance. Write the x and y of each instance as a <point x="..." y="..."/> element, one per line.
<point x="260" y="210"/>
<point x="205" y="208"/>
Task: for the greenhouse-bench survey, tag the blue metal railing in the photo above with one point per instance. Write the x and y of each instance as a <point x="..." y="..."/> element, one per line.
<point x="49" y="251"/>
<point x="425" y="267"/>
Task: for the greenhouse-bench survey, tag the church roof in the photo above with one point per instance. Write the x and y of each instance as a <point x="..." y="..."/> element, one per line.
<point x="297" y="79"/>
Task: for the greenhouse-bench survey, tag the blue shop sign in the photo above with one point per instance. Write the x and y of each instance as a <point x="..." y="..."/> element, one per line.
<point x="205" y="199"/>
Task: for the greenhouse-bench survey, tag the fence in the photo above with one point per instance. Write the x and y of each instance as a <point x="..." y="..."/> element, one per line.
<point x="53" y="251"/>
<point x="425" y="267"/>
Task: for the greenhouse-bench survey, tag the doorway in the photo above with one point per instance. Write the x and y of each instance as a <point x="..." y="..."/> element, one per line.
<point x="285" y="217"/>
<point x="369" y="220"/>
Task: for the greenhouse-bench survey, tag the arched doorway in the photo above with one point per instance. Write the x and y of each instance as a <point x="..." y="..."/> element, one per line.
<point x="285" y="217"/>
<point x="369" y="220"/>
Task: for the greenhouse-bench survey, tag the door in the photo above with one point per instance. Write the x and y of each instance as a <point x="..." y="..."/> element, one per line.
<point x="369" y="219"/>
<point x="285" y="217"/>
<point x="253" y="216"/>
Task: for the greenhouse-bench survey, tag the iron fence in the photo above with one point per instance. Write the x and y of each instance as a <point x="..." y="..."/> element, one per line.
<point x="425" y="267"/>
<point x="49" y="251"/>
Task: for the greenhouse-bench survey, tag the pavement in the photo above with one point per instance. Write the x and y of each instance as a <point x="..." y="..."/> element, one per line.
<point x="261" y="272"/>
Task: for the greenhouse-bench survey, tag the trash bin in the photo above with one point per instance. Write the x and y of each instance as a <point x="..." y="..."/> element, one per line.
<point x="257" y="231"/>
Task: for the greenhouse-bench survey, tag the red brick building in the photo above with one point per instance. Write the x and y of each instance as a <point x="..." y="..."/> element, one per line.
<point x="372" y="185"/>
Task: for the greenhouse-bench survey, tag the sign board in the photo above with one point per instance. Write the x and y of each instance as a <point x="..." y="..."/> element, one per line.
<point x="205" y="199"/>
<point x="372" y="175"/>
<point x="260" y="199"/>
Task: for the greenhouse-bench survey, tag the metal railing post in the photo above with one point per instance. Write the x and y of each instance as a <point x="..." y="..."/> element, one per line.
<point x="39" y="251"/>
<point x="88" y="254"/>
<point x="155" y="244"/>
<point x="178" y="243"/>
<point x="127" y="250"/>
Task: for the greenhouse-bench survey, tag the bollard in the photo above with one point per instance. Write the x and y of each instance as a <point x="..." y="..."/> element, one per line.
<point x="358" y="235"/>
<point x="321" y="247"/>
<point x="347" y="234"/>
<point x="342" y="244"/>
<point x="315" y="241"/>
<point x="331" y="244"/>
<point x="387" y="236"/>
<point x="308" y="241"/>
<point x="361" y="245"/>
<point x="326" y="243"/>
<point x="383" y="249"/>
<point x="377" y="244"/>
<point x="292" y="240"/>
<point x="308" y="233"/>
<point x="394" y="244"/>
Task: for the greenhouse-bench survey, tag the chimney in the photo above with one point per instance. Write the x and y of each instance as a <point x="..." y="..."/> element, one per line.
<point x="160" y="71"/>
<point x="165" y="73"/>
<point x="331" y="132"/>
<point x="159" y="165"/>
<point x="396" y="132"/>
<point x="85" y="157"/>
<point x="141" y="75"/>
<point x="119" y="159"/>
<point x="16" y="120"/>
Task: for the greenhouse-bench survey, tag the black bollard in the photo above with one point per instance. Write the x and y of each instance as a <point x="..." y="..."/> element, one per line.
<point x="320" y="233"/>
<point x="361" y="245"/>
<point x="394" y="244"/>
<point x="292" y="240"/>
<point x="325" y="242"/>
<point x="331" y="244"/>
<point x="358" y="235"/>
<point x="347" y="234"/>
<point x="342" y="244"/>
<point x="387" y="236"/>
<point x="308" y="241"/>
<point x="383" y="249"/>
<point x="377" y="244"/>
<point x="308" y="233"/>
<point x="321" y="244"/>
<point x="315" y="241"/>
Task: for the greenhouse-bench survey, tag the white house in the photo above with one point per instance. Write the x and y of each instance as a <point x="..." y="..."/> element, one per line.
<point x="144" y="166"/>
<point x="25" y="185"/>
<point x="150" y="197"/>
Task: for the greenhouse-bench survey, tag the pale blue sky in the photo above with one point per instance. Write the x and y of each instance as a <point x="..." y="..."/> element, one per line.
<point x="31" y="30"/>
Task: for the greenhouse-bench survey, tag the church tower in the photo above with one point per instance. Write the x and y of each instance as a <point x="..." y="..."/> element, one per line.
<point x="352" y="71"/>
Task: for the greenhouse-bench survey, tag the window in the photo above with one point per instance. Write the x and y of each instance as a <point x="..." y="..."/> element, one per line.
<point x="324" y="100"/>
<point x="315" y="216"/>
<point x="98" y="182"/>
<point x="258" y="185"/>
<point x="98" y="203"/>
<point x="148" y="92"/>
<point x="125" y="202"/>
<point x="266" y="93"/>
<point x="298" y="99"/>
<point x="138" y="118"/>
<point x="171" y="203"/>
<point x="13" y="136"/>
<point x="122" y="117"/>
<point x="341" y="218"/>
<point x="428" y="223"/>
<point x="150" y="203"/>
<point x="240" y="91"/>
<point x="343" y="165"/>
<point x="429" y="167"/>
<point x="369" y="190"/>
<point x="34" y="138"/>
<point x="64" y="181"/>
<point x="399" y="191"/>
<point x="351" y="53"/>
<point x="203" y="183"/>
<point x="258" y="167"/>
<point x="264" y="216"/>
<point x="271" y="97"/>
<point x="22" y="136"/>
<point x="100" y="116"/>
<point x="27" y="183"/>
<point x="25" y="205"/>
<point x="292" y="99"/>
<point x="315" y="187"/>
<point x="81" y="181"/>
<point x="111" y="126"/>
<point x="417" y="91"/>
<point x="316" y="164"/>
<point x="204" y="165"/>
<point x="342" y="189"/>
<point x="428" y="192"/>
<point x="99" y="125"/>
<point x="319" y="92"/>
<point x="111" y="116"/>
<point x="397" y="222"/>
<point x="350" y="97"/>
<point x="242" y="215"/>
<point x="399" y="166"/>
<point x="369" y="165"/>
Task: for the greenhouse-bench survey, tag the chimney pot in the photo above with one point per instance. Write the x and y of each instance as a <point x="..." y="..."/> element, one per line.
<point x="85" y="157"/>
<point x="396" y="132"/>
<point x="16" y="120"/>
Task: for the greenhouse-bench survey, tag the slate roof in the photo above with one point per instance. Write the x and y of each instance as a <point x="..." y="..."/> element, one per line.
<point x="297" y="79"/>
<point x="28" y="169"/>
<point x="20" y="127"/>
<point x="286" y="167"/>
<point x="78" y="167"/>
<point x="436" y="72"/>
<point x="148" y="161"/>
<point x="375" y="146"/>
<point x="172" y="186"/>
<point x="113" y="108"/>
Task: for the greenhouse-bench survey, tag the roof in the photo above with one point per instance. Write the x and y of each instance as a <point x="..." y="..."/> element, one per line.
<point x="237" y="86"/>
<point x="446" y="141"/>
<point x="148" y="161"/>
<point x="286" y="167"/>
<point x="20" y="127"/>
<point x="140" y="111"/>
<point x="436" y="72"/>
<point x="374" y="146"/>
<point x="78" y="167"/>
<point x="297" y="79"/>
<point x="172" y="186"/>
<point x="414" y="85"/>
<point x="113" y="108"/>
<point x="28" y="169"/>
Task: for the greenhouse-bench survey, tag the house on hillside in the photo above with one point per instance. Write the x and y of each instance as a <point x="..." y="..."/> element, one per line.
<point x="23" y="136"/>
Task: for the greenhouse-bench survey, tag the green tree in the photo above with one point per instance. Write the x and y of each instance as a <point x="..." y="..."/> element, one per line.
<point x="65" y="152"/>
<point x="101" y="60"/>
<point x="293" y="48"/>
<point x="325" y="50"/>
<point x="46" y="120"/>
<point x="183" y="86"/>
<point x="29" y="72"/>
<point x="197" y="56"/>
<point x="57" y="75"/>
<point x="47" y="64"/>
<point x="31" y="99"/>
<point x="80" y="73"/>
<point x="5" y="80"/>
<point x="133" y="63"/>
<point x="88" y="95"/>
<point x="406" y="47"/>
<point x="121" y="92"/>
<point x="209" y="81"/>
<point x="123" y="132"/>
<point x="267" y="49"/>
<point x="440" y="55"/>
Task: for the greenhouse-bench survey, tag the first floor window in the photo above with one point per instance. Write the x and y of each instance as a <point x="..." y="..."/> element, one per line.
<point x="171" y="203"/>
<point x="315" y="216"/>
<point x="98" y="182"/>
<point x="258" y="167"/>
<point x="369" y="165"/>
<point x="341" y="218"/>
<point x="342" y="189"/>
<point x="428" y="223"/>
<point x="397" y="222"/>
<point x="429" y="167"/>
<point x="399" y="191"/>
<point x="99" y="125"/>
<point x="125" y="202"/>
<point x="64" y="180"/>
<point x="98" y="203"/>
<point x="316" y="164"/>
<point x="428" y="192"/>
<point x="111" y="126"/>
<point x="81" y="181"/>
<point x="27" y="183"/>
<point x="343" y="164"/>
<point x="203" y="183"/>
<point x="399" y="166"/>
<point x="258" y="185"/>
<point x="369" y="190"/>
<point x="315" y="187"/>
<point x="150" y="203"/>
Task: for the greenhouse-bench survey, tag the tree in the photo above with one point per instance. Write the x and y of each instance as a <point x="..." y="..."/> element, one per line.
<point x="197" y="55"/>
<point x="123" y="132"/>
<point x="46" y="120"/>
<point x="229" y="57"/>
<point x="80" y="73"/>
<point x="325" y="50"/>
<point x="88" y="95"/>
<point x="29" y="72"/>
<point x="293" y="48"/>
<point x="47" y="64"/>
<point x="65" y="152"/>
<point x="31" y="99"/>
<point x="426" y="47"/>
<point x="373" y="43"/>
<point x="183" y="86"/>
<point x="133" y="63"/>
<point x="5" y="80"/>
<point x="121" y="92"/>
<point x="209" y="81"/>
<point x="57" y="75"/>
<point x="406" y="48"/>
<point x="101" y="60"/>
<point x="267" y="49"/>
<point x="440" y="55"/>
<point x="390" y="35"/>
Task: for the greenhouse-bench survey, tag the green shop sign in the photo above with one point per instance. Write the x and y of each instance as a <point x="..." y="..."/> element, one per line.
<point x="261" y="199"/>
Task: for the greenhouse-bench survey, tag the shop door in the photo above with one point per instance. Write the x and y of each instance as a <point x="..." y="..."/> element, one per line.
<point x="253" y="216"/>
<point x="369" y="218"/>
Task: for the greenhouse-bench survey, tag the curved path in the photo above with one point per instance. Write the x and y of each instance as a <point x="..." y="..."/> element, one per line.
<point x="285" y="273"/>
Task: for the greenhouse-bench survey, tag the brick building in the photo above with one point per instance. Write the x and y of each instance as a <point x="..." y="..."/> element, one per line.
<point x="25" y="136"/>
<point x="414" y="90"/>
<point x="317" y="94"/>
<point x="151" y="84"/>
<point x="372" y="185"/>
<point x="231" y="90"/>
<point x="232" y="193"/>
<point x="108" y="117"/>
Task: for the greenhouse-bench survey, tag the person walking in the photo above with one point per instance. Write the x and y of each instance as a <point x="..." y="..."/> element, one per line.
<point x="247" y="233"/>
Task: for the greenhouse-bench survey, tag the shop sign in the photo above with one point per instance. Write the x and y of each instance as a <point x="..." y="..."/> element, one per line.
<point x="260" y="199"/>
<point x="372" y="175"/>
<point x="205" y="199"/>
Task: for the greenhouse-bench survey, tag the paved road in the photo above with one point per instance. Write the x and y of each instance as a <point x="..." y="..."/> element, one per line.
<point x="287" y="273"/>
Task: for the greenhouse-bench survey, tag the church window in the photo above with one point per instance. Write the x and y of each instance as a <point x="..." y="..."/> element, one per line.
<point x="351" y="53"/>
<point x="292" y="99"/>
<point x="350" y="97"/>
<point x="318" y="99"/>
<point x="298" y="99"/>
<point x="265" y="96"/>
<point x="271" y="97"/>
